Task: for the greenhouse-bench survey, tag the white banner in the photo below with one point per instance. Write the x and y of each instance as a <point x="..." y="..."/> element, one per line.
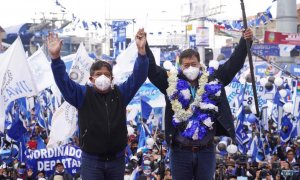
<point x="16" y="80"/>
<point x="125" y="62"/>
<point x="202" y="36"/>
<point x="80" y="70"/>
<point x="41" y="70"/>
<point x="64" y="124"/>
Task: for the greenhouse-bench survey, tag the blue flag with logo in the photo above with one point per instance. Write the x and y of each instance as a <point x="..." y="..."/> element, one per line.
<point x="146" y="108"/>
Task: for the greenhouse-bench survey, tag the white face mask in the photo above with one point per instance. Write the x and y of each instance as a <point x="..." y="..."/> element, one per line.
<point x="191" y="73"/>
<point x="102" y="83"/>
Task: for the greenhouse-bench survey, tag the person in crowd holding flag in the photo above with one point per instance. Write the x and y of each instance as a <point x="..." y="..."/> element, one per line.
<point x="101" y="110"/>
<point x="196" y="108"/>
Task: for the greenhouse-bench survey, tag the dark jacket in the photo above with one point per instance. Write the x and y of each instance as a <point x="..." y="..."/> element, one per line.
<point x="226" y="72"/>
<point x="109" y="131"/>
<point x="66" y="176"/>
<point x="87" y="101"/>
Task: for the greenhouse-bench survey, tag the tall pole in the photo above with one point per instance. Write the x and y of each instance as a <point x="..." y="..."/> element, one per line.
<point x="250" y="60"/>
<point x="201" y="49"/>
<point x="286" y="20"/>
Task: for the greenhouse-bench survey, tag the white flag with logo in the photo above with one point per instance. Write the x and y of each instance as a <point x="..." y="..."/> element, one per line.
<point x="80" y="69"/>
<point x="64" y="124"/>
<point x="16" y="80"/>
<point x="41" y="70"/>
<point x="64" y="121"/>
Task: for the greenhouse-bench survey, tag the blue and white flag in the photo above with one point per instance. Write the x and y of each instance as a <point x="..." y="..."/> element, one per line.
<point x="146" y="108"/>
<point x="17" y="128"/>
<point x="142" y="137"/>
<point x="288" y="128"/>
<point x="16" y="80"/>
<point x="41" y="70"/>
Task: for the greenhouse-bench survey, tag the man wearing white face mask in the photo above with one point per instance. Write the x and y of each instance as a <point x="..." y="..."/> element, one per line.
<point x="196" y="109"/>
<point x="101" y="110"/>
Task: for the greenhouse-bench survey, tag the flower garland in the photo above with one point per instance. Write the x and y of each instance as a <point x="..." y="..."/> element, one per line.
<point x="196" y="116"/>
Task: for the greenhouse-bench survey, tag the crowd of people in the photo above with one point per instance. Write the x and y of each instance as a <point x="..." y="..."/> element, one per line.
<point x="152" y="161"/>
<point x="153" y="153"/>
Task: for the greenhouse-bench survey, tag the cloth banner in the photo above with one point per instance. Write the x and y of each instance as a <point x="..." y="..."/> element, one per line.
<point x="45" y="159"/>
<point x="16" y="80"/>
<point x="41" y="70"/>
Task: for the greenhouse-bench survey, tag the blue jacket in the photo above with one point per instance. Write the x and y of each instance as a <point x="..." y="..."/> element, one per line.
<point x="74" y="93"/>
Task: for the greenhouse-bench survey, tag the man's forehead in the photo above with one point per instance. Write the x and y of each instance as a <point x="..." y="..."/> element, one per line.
<point x="103" y="69"/>
<point x="190" y="59"/>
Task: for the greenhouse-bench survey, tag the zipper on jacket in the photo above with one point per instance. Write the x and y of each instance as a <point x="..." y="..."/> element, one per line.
<point x="82" y="138"/>
<point x="108" y="124"/>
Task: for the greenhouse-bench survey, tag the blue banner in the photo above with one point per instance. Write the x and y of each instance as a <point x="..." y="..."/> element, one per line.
<point x="148" y="90"/>
<point x="192" y="41"/>
<point x="260" y="70"/>
<point x="295" y="69"/>
<point x="119" y="36"/>
<point x="45" y="159"/>
<point x="266" y="49"/>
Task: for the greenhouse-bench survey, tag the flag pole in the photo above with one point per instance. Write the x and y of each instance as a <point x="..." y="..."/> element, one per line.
<point x="250" y="59"/>
<point x="278" y="67"/>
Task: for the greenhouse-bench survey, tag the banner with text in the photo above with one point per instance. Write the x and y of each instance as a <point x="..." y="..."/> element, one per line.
<point x="45" y="159"/>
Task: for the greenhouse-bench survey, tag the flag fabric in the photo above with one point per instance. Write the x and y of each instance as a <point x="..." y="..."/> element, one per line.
<point x="142" y="137"/>
<point x="64" y="124"/>
<point x="16" y="80"/>
<point x="146" y="108"/>
<point x="17" y="128"/>
<point x="41" y="70"/>
<point x="80" y="69"/>
<point x="125" y="62"/>
<point x="241" y="136"/>
<point x="68" y="60"/>
<point x="288" y="129"/>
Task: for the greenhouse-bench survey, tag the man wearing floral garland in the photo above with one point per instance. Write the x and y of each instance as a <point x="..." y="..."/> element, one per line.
<point x="196" y="108"/>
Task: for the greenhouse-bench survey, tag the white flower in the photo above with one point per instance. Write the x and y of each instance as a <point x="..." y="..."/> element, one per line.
<point x="214" y="81"/>
<point x="176" y="120"/>
<point x="208" y="106"/>
<point x="218" y="93"/>
<point x="183" y="115"/>
<point x="195" y="135"/>
<point x="189" y="124"/>
<point x="207" y="122"/>
<point x="186" y="94"/>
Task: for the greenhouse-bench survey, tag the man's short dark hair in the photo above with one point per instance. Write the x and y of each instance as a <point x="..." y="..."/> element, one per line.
<point x="98" y="65"/>
<point x="59" y="164"/>
<point x="291" y="151"/>
<point x="188" y="53"/>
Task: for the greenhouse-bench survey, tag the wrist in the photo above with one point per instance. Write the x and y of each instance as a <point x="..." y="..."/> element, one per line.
<point x="142" y="51"/>
<point x="55" y="56"/>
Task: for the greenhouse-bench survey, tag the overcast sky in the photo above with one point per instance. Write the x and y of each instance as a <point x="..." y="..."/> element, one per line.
<point x="151" y="14"/>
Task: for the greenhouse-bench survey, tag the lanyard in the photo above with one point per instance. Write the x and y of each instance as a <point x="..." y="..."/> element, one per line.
<point x="193" y="92"/>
